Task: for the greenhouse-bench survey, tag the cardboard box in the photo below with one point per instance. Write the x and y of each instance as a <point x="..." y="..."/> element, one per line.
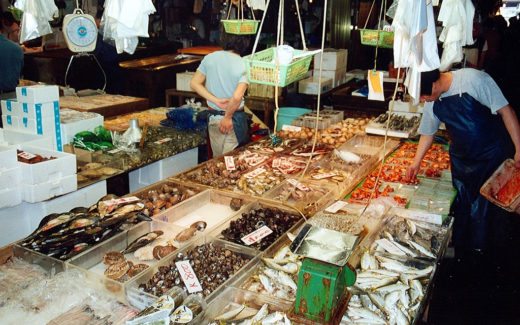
<point x="83" y="156"/>
<point x="10" y="122"/>
<point x="9" y="106"/>
<point x="338" y="76"/>
<point x="333" y="59"/>
<point x="260" y="90"/>
<point x="183" y="80"/>
<point x="37" y="94"/>
<point x="309" y="86"/>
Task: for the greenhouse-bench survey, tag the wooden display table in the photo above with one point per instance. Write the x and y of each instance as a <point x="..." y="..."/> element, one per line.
<point x="106" y="105"/>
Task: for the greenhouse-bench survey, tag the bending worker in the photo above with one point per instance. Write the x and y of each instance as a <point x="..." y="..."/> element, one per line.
<point x="468" y="101"/>
<point x="221" y="79"/>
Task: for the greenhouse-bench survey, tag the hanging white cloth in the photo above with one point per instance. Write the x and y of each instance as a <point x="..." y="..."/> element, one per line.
<point x="256" y="4"/>
<point x="457" y="19"/>
<point x="126" y="20"/>
<point x="36" y="17"/>
<point x="415" y="42"/>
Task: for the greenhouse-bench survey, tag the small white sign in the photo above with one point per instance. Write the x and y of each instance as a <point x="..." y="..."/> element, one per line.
<point x="163" y="140"/>
<point x="298" y="185"/>
<point x="291" y="128"/>
<point x="121" y="200"/>
<point x="26" y="155"/>
<point x="336" y="206"/>
<point x="389" y="247"/>
<point x="230" y="162"/>
<point x="255" y="173"/>
<point x="113" y="151"/>
<point x="256" y="235"/>
<point x="276" y="162"/>
<point x="188" y="276"/>
<point x="325" y="175"/>
<point x="418" y="215"/>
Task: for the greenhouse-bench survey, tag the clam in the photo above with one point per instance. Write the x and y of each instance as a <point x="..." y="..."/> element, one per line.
<point x="199" y="225"/>
<point x="186" y="234"/>
<point x="113" y="257"/>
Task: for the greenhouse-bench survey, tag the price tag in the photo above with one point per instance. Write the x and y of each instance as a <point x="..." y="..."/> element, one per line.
<point x="188" y="276"/>
<point x="122" y="200"/>
<point x="163" y="140"/>
<point x="256" y="235"/>
<point x="26" y="155"/>
<point x="298" y="185"/>
<point x="255" y="173"/>
<point x="230" y="162"/>
<point x="421" y="216"/>
<point x="276" y="162"/>
<point x="389" y="247"/>
<point x="291" y="128"/>
<point x="336" y="206"/>
<point x="113" y="151"/>
<point x="325" y="175"/>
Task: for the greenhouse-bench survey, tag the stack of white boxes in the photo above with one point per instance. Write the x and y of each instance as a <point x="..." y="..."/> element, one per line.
<point x="36" y="111"/>
<point x="334" y="65"/>
<point x="10" y="178"/>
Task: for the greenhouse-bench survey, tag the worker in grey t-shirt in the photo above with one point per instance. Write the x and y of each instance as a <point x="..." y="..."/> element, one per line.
<point x="467" y="101"/>
<point x="221" y="79"/>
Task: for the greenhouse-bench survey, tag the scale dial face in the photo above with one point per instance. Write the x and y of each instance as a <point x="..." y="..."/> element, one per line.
<point x="80" y="32"/>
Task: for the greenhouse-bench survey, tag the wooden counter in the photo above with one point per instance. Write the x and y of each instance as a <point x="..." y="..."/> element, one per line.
<point x="106" y="105"/>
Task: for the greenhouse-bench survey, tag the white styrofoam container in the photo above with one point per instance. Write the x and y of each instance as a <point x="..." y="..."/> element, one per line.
<point x="309" y="86"/>
<point x="38" y="94"/>
<point x="9" y="106"/>
<point x="10" y="177"/>
<point x="38" y="110"/>
<point x="69" y="130"/>
<point x="8" y="158"/>
<point x="43" y="191"/>
<point x="332" y="59"/>
<point x="10" y="196"/>
<point x="162" y="169"/>
<point x="47" y="126"/>
<point x="183" y="80"/>
<point x="14" y="137"/>
<point x="10" y="122"/>
<point x="338" y="76"/>
<point x="64" y="165"/>
<point x="400" y="106"/>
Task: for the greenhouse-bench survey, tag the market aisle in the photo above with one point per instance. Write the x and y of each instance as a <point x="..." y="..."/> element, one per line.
<point x="481" y="289"/>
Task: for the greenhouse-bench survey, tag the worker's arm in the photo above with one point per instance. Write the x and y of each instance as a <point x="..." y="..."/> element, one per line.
<point x="425" y="143"/>
<point x="512" y="126"/>
<point x="226" y="124"/>
<point x="197" y="84"/>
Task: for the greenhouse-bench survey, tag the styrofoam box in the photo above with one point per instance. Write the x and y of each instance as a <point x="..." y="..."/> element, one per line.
<point x="47" y="126"/>
<point x="332" y="59"/>
<point x="400" y="106"/>
<point x="50" y="170"/>
<point x="337" y="76"/>
<point x="9" y="106"/>
<point x="10" y="122"/>
<point x="10" y="177"/>
<point x="47" y="190"/>
<point x="35" y="110"/>
<point x="310" y="85"/>
<point x="8" y="158"/>
<point x="183" y="80"/>
<point x="162" y="169"/>
<point x="38" y="94"/>
<point x="14" y="137"/>
<point x="10" y="196"/>
<point x="69" y="130"/>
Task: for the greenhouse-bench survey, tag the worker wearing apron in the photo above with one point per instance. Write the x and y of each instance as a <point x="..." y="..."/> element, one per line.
<point x="221" y="79"/>
<point x="468" y="101"/>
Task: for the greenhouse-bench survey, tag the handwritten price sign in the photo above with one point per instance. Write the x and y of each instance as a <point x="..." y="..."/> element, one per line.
<point x="230" y="162"/>
<point x="298" y="185"/>
<point x="26" y="155"/>
<point x="122" y="200"/>
<point x="255" y="173"/>
<point x="324" y="175"/>
<point x="163" y="140"/>
<point x="256" y="235"/>
<point x="188" y="276"/>
<point x="336" y="206"/>
<point x="291" y="128"/>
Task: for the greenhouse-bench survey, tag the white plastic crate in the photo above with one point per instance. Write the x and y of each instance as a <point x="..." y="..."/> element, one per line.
<point x="7" y="158"/>
<point x="37" y="94"/>
<point x="15" y="137"/>
<point x="50" y="170"/>
<point x="10" y="122"/>
<point x="69" y="129"/>
<point x="10" y="177"/>
<point x="43" y="191"/>
<point x="9" y="106"/>
<point x="10" y="196"/>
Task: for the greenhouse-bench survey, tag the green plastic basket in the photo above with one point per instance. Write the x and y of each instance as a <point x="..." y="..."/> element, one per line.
<point x="372" y="38"/>
<point x="240" y="26"/>
<point x="262" y="68"/>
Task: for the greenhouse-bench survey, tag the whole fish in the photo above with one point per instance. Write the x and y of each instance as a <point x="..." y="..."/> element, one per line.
<point x="421" y="249"/>
<point x="142" y="241"/>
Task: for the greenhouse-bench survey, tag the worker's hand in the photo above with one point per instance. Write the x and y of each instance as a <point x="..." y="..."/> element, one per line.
<point x="226" y="125"/>
<point x="517" y="159"/>
<point x="412" y="170"/>
<point x="222" y="103"/>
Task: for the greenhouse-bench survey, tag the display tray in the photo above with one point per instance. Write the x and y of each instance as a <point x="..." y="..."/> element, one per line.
<point x="405" y="125"/>
<point x="212" y="279"/>
<point x="265" y="145"/>
<point x="502" y="187"/>
<point x="253" y="218"/>
<point x="49" y="264"/>
<point x="232" y="298"/>
<point x="210" y="206"/>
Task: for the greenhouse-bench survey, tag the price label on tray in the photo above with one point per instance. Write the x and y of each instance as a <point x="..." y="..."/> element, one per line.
<point x="256" y="235"/>
<point x="26" y="155"/>
<point x="291" y="128"/>
<point x="163" y="140"/>
<point x="230" y="162"/>
<point x="389" y="247"/>
<point x="188" y="276"/>
<point x="276" y="162"/>
<point x="336" y="206"/>
<point x="421" y="216"/>
<point x="255" y="173"/>
<point x="298" y="185"/>
<point x="122" y="200"/>
<point x="324" y="175"/>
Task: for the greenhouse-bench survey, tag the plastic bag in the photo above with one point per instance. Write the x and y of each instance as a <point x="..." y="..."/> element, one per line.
<point x="36" y="17"/>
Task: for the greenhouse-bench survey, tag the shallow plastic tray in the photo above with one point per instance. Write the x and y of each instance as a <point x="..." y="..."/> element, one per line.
<point x="500" y="177"/>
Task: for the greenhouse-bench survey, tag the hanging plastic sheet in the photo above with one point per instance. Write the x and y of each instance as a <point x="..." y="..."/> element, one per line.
<point x="36" y="17"/>
<point x="126" y="20"/>
<point x="256" y="4"/>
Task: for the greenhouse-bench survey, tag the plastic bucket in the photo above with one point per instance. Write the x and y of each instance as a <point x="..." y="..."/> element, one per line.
<point x="287" y="114"/>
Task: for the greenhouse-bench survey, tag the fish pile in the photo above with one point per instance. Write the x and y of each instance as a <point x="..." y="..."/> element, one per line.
<point x="388" y="290"/>
<point x="276" y="276"/>
<point x="405" y="237"/>
<point x="164" y="197"/>
<point x="241" y="314"/>
<point x="212" y="265"/>
<point x="64" y="235"/>
<point x="398" y="122"/>
<point x="275" y="219"/>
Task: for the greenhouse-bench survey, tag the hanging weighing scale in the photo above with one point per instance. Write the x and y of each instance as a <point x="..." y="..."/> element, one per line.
<point x="80" y="33"/>
<point x="322" y="296"/>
